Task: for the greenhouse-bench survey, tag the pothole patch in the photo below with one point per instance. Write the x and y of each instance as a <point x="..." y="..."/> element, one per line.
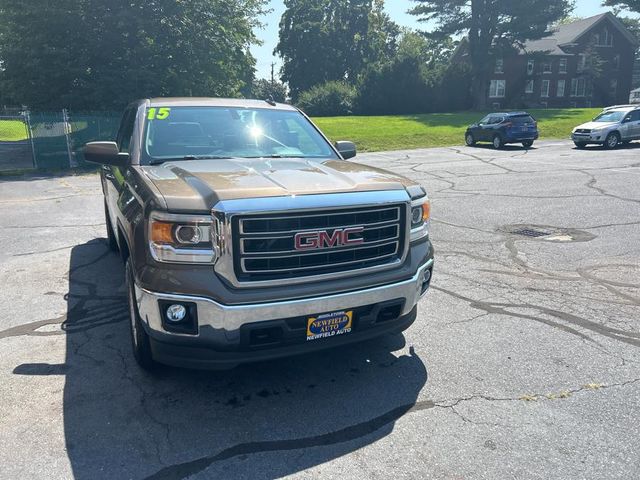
<point x="547" y="233"/>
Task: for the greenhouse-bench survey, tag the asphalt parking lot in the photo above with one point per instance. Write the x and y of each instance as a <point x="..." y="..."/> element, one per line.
<point x="524" y="361"/>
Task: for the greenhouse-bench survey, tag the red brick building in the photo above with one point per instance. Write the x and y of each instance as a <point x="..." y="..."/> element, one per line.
<point x="585" y="63"/>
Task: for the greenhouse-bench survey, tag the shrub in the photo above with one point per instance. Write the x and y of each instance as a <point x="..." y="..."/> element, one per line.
<point x="328" y="99"/>
<point x="265" y="89"/>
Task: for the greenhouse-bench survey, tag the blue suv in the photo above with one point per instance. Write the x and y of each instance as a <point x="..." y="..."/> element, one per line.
<point x="503" y="128"/>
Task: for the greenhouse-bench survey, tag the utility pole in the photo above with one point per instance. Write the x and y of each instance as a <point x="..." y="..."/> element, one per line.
<point x="273" y="78"/>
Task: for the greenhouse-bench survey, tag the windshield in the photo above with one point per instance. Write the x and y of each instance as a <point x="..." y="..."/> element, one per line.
<point x="610" y="117"/>
<point x="187" y="133"/>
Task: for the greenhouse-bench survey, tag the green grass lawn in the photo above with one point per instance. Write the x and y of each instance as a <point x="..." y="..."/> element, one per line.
<point x="398" y="132"/>
<point x="13" y="131"/>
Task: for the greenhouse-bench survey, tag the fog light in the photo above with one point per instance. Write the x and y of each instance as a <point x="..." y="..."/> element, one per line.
<point x="426" y="277"/>
<point x="176" y="313"/>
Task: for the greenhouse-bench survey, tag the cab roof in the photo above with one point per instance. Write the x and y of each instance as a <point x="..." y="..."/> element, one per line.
<point x="216" y="102"/>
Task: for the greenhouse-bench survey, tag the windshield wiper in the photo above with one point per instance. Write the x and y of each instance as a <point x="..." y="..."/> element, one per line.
<point x="187" y="158"/>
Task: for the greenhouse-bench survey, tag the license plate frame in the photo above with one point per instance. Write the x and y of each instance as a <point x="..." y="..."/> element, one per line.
<point x="329" y="325"/>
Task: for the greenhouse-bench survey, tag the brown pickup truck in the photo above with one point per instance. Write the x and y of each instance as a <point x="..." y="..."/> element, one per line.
<point x="247" y="235"/>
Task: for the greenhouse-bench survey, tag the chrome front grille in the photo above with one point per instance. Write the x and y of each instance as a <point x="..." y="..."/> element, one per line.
<point x="265" y="245"/>
<point x="583" y="131"/>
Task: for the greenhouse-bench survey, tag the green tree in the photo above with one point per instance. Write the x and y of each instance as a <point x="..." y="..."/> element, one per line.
<point x="413" y="80"/>
<point x="567" y="20"/>
<point x="633" y="25"/>
<point x="491" y="25"/>
<point x="267" y="89"/>
<point x="38" y="48"/>
<point x="98" y="54"/>
<point x="633" y="5"/>
<point x="331" y="40"/>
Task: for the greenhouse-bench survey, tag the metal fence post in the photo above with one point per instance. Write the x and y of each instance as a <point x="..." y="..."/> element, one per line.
<point x="67" y="136"/>
<point x="27" y="118"/>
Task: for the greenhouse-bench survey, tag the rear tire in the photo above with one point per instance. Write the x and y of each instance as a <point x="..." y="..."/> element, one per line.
<point x="469" y="140"/>
<point x="612" y="141"/>
<point x="112" y="241"/>
<point x="580" y="145"/>
<point x="498" y="143"/>
<point x="139" y="337"/>
<point x="527" y="143"/>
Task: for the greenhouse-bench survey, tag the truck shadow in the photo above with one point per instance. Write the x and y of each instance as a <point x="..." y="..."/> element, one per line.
<point x="257" y="421"/>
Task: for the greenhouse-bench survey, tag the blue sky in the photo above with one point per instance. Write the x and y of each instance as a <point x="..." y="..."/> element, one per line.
<point x="397" y="10"/>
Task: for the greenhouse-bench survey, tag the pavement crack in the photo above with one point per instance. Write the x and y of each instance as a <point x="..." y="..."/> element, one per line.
<point x="630" y="338"/>
<point x="467" y="227"/>
<point x="592" y="184"/>
<point x="353" y="432"/>
<point x="39" y="227"/>
<point x="38" y="252"/>
<point x="78" y="319"/>
<point x="143" y="402"/>
<point x="47" y="199"/>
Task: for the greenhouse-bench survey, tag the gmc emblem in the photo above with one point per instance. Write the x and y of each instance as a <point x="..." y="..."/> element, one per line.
<point x="340" y="237"/>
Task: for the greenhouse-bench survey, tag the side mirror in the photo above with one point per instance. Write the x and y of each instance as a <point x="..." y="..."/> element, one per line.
<point x="626" y="120"/>
<point x="346" y="149"/>
<point x="105" y="153"/>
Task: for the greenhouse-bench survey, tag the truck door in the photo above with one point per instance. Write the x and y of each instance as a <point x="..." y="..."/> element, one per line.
<point x="488" y="128"/>
<point x="634" y="125"/>
<point x="114" y="176"/>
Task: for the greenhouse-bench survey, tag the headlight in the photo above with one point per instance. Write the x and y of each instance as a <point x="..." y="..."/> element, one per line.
<point x="181" y="238"/>
<point x="420" y="218"/>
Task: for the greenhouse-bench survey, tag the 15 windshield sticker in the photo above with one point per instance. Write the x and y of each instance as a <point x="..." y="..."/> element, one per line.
<point x="158" y="113"/>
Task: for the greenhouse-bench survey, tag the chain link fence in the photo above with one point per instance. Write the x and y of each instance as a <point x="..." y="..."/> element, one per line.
<point x="51" y="140"/>
<point x="16" y="148"/>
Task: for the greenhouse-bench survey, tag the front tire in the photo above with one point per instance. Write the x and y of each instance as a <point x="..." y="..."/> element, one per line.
<point x="469" y="140"/>
<point x="527" y="143"/>
<point x="498" y="143"/>
<point x="139" y="337"/>
<point x="612" y="141"/>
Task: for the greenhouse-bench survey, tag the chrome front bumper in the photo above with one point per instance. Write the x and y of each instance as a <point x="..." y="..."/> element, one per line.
<point x="229" y="318"/>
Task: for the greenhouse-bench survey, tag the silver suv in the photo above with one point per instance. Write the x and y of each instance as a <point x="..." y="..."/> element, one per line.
<point x="615" y="125"/>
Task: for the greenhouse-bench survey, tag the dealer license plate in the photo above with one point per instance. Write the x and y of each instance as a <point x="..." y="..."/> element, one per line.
<point x="329" y="325"/>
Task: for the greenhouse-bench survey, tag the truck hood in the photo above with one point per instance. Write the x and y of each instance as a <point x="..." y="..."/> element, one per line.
<point x="197" y="185"/>
<point x="596" y="125"/>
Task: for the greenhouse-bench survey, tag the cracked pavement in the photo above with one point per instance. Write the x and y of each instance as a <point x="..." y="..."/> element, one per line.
<point x="524" y="361"/>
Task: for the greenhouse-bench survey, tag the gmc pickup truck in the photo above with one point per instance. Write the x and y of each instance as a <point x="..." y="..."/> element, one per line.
<point x="247" y="235"/>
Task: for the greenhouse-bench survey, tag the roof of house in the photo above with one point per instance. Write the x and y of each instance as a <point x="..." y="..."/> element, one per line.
<point x="569" y="34"/>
